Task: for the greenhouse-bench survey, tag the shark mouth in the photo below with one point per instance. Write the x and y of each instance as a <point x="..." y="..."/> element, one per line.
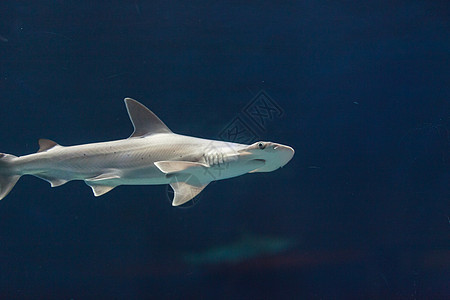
<point x="260" y="162"/>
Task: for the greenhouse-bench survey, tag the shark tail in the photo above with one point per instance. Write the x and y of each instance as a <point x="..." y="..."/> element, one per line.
<point x="7" y="177"/>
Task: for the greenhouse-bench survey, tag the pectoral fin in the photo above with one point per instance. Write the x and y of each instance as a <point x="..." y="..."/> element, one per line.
<point x="185" y="192"/>
<point x="169" y="167"/>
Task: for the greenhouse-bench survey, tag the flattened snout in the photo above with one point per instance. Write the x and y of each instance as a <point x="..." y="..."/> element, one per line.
<point x="285" y="153"/>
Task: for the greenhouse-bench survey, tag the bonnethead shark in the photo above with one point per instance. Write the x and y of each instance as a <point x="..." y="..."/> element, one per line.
<point x="152" y="155"/>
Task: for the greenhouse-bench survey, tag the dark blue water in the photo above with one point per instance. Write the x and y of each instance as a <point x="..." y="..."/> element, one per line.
<point x="360" y="89"/>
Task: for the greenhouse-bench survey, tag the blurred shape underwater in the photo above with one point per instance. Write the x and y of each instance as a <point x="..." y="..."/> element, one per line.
<point x="247" y="247"/>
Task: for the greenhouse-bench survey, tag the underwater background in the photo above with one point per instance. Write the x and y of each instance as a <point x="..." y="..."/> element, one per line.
<point x="360" y="89"/>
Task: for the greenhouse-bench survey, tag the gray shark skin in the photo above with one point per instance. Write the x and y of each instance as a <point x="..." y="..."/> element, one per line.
<point x="152" y="155"/>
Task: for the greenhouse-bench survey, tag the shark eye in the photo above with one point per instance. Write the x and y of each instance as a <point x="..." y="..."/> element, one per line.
<point x="261" y="145"/>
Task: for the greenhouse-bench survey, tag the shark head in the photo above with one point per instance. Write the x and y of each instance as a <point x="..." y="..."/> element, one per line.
<point x="274" y="155"/>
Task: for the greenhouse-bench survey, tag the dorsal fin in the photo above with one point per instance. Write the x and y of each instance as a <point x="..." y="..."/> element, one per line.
<point x="45" y="144"/>
<point x="144" y="121"/>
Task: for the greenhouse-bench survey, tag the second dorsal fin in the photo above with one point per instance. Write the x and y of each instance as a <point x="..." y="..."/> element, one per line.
<point x="144" y="121"/>
<point x="45" y="144"/>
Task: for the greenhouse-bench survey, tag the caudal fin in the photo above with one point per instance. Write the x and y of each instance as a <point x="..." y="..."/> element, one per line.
<point x="7" y="179"/>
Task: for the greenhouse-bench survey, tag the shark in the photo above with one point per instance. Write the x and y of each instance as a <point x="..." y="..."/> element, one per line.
<point x="152" y="155"/>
